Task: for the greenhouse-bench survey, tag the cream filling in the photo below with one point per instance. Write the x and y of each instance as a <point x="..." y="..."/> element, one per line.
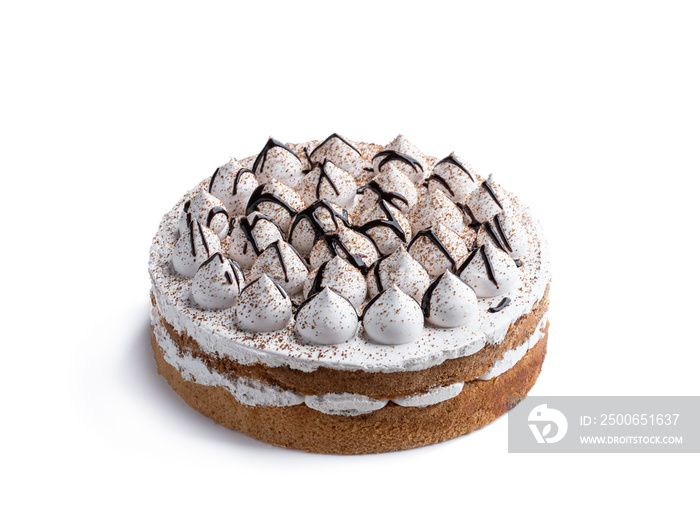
<point x="254" y="393"/>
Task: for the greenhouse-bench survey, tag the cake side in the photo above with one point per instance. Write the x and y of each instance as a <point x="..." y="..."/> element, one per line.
<point x="389" y="428"/>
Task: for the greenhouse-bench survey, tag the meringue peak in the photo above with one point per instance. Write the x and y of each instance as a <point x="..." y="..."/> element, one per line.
<point x="217" y="283"/>
<point x="399" y="269"/>
<point x="326" y="317"/>
<point x="284" y="264"/>
<point x="449" y="302"/>
<point x="233" y="184"/>
<point x="490" y="271"/>
<point x="195" y="245"/>
<point x="263" y="306"/>
<point x="328" y="181"/>
<point x="393" y="317"/>
<point x="277" y="161"/>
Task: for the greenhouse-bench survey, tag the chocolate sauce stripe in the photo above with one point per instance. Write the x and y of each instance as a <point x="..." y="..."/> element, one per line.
<point x="390" y="155"/>
<point x="428" y="233"/>
<point x="262" y="157"/>
<point x="335" y="135"/>
<point x="383" y="194"/>
<point x="259" y="197"/>
<point x="502" y="305"/>
<point x="390" y="222"/>
<point x="452" y="160"/>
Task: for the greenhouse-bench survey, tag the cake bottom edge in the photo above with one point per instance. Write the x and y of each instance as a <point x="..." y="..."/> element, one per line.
<point x="391" y="428"/>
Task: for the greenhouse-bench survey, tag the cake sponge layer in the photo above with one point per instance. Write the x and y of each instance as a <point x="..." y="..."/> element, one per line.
<point x="391" y="428"/>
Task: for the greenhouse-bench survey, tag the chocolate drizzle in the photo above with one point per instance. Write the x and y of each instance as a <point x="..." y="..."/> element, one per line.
<point x="428" y="233"/>
<point x="390" y="155"/>
<point x="310" y="214"/>
<point x="454" y="161"/>
<point x="218" y="210"/>
<point x="334" y="135"/>
<point x="499" y="228"/>
<point x="227" y="275"/>
<point x="336" y="245"/>
<point x="494" y="236"/>
<point x="439" y="179"/>
<point x="502" y="305"/>
<point x="201" y="234"/>
<point x="377" y="275"/>
<point x="239" y="175"/>
<point x="474" y="223"/>
<point x="389" y="197"/>
<point x="487" y="263"/>
<point x="390" y="222"/>
<point x="486" y="186"/>
<point x="237" y="270"/>
<point x="317" y="284"/>
<point x="276" y="246"/>
<point x="262" y="157"/>
<point x="311" y="297"/>
<point x="279" y="288"/>
<point x="213" y="176"/>
<point x="323" y="174"/>
<point x="259" y="197"/>
<point x="425" y="302"/>
<point x="369" y="305"/>
<point x="378" y="295"/>
<point x="247" y="227"/>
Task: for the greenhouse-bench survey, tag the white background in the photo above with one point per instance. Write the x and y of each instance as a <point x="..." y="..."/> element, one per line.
<point x="109" y="113"/>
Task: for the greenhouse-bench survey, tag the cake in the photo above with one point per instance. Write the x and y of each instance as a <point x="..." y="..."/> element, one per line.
<point x="347" y="297"/>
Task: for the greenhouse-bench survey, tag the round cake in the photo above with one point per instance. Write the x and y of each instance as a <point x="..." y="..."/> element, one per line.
<point x="347" y="297"/>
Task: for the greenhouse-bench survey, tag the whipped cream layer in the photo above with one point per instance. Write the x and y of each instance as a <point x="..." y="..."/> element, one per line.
<point x="217" y="333"/>
<point x="255" y="393"/>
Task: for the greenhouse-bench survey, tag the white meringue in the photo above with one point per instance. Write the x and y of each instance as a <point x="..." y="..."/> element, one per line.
<point x="341" y="276"/>
<point x="264" y="306"/>
<point x="404" y="156"/>
<point x="393" y="186"/>
<point x="195" y="245"/>
<point x="438" y="249"/>
<point x="507" y="233"/>
<point x="217" y="283"/>
<point x="277" y="161"/>
<point x="309" y="224"/>
<point x="340" y="151"/>
<point x="483" y="202"/>
<point x="453" y="177"/>
<point x="490" y="271"/>
<point x="386" y="226"/>
<point x="250" y="236"/>
<point x="399" y="269"/>
<point x="393" y="318"/>
<point x="346" y="243"/>
<point x="437" y="208"/>
<point x="278" y="201"/>
<point x="327" y="318"/>
<point x="327" y="181"/>
<point x="233" y="184"/>
<point x="210" y="212"/>
<point x="449" y="302"/>
<point x="281" y="262"/>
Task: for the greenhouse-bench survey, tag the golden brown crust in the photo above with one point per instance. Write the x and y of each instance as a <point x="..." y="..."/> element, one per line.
<point x="391" y="428"/>
<point x="373" y="384"/>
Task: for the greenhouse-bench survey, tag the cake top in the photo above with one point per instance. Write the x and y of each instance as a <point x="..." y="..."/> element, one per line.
<point x="349" y="250"/>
